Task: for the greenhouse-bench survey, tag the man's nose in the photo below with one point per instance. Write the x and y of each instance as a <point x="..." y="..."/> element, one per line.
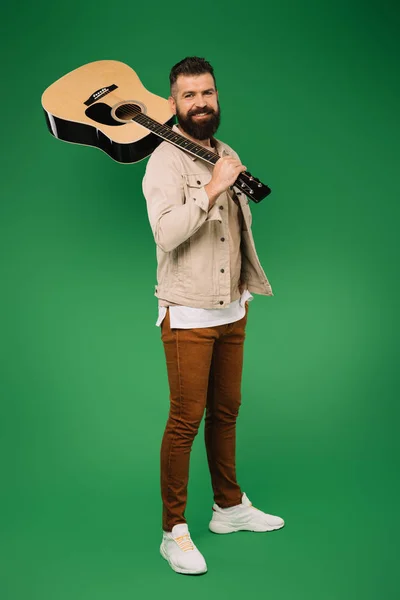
<point x="200" y="102"/>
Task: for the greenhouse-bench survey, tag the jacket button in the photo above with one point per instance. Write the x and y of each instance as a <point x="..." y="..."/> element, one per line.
<point x="222" y="270"/>
<point x="221" y="208"/>
<point x="198" y="182"/>
<point x="221" y="301"/>
<point x="222" y="239"/>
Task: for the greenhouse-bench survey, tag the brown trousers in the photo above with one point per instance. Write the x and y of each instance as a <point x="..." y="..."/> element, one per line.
<point x="204" y="368"/>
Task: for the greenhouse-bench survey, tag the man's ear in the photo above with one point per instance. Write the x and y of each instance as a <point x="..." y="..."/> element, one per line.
<point x="172" y="104"/>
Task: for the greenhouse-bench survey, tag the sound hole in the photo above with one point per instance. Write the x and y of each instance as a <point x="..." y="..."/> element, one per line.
<point x="101" y="113"/>
<point x="126" y="112"/>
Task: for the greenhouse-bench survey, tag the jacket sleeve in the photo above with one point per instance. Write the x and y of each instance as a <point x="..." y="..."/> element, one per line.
<point x="175" y="211"/>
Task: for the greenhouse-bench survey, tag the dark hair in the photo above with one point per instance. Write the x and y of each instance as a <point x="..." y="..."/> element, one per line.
<point x="191" y="65"/>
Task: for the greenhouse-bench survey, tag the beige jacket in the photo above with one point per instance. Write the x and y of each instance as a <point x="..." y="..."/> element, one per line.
<point x="192" y="249"/>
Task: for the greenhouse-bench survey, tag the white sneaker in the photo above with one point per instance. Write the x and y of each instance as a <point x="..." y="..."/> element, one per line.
<point x="242" y="517"/>
<point x="178" y="549"/>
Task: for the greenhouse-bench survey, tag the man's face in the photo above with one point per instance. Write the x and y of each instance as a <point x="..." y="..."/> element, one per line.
<point x="196" y="105"/>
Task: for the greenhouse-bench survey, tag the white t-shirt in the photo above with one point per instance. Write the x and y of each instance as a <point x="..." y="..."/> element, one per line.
<point x="186" y="317"/>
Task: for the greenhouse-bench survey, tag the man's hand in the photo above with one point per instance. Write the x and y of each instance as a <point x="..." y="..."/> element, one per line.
<point x="227" y="169"/>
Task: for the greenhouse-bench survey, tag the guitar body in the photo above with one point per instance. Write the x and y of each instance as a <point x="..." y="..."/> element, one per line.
<point x="79" y="108"/>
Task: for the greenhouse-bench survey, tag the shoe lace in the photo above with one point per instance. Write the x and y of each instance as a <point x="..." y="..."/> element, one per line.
<point x="184" y="542"/>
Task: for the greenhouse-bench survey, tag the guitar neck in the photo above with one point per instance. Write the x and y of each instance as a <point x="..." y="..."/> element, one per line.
<point x="166" y="133"/>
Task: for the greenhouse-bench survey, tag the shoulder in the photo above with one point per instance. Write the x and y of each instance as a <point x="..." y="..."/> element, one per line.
<point x="165" y="153"/>
<point x="164" y="163"/>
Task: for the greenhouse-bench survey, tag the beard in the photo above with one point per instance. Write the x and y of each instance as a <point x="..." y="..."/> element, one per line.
<point x="199" y="130"/>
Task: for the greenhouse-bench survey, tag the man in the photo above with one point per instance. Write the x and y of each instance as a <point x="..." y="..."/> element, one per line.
<point x="207" y="269"/>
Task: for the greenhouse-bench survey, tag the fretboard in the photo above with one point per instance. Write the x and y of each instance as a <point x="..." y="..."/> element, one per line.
<point x="181" y="141"/>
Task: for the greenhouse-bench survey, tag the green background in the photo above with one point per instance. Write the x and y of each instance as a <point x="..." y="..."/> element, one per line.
<point x="309" y="94"/>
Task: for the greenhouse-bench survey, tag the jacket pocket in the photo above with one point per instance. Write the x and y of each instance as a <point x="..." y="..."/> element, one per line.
<point x="196" y="180"/>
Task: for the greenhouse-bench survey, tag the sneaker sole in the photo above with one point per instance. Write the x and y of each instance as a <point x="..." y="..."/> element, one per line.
<point x="180" y="569"/>
<point x="222" y="528"/>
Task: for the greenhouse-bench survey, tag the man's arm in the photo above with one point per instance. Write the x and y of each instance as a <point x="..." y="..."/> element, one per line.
<point x="172" y="220"/>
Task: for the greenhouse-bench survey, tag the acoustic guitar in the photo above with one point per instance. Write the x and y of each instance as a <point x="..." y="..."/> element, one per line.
<point x="105" y="105"/>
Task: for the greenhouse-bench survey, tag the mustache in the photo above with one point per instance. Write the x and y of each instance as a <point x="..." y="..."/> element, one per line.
<point x="198" y="112"/>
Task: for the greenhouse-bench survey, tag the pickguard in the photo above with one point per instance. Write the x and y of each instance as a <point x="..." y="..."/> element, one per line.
<point x="101" y="113"/>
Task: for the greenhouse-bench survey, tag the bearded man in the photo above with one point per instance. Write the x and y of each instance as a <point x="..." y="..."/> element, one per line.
<point x="207" y="270"/>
